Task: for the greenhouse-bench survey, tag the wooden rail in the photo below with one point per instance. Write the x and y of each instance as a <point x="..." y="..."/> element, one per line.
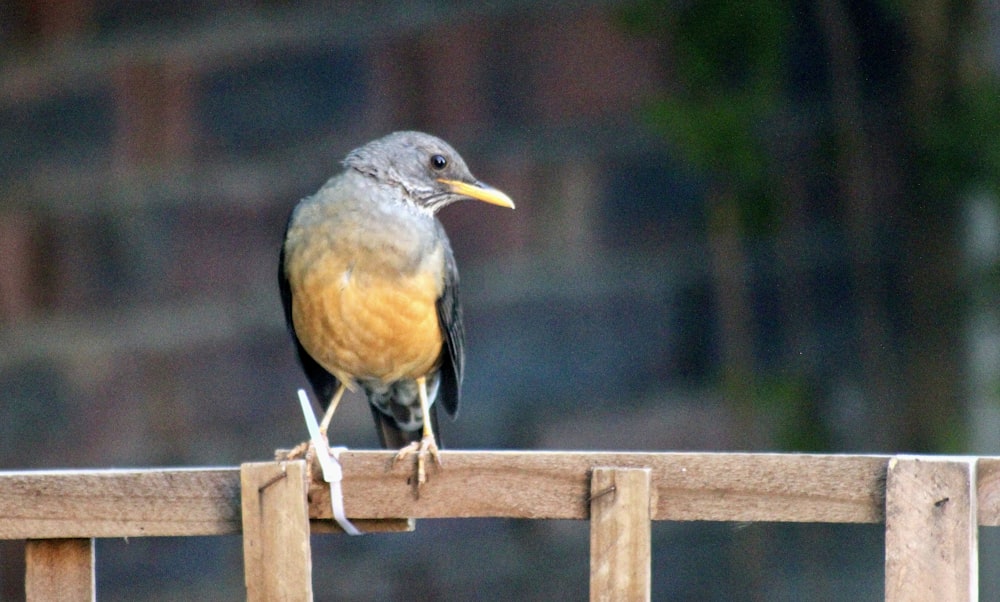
<point x="932" y="507"/>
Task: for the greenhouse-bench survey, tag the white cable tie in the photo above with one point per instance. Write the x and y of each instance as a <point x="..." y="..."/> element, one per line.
<point x="330" y="464"/>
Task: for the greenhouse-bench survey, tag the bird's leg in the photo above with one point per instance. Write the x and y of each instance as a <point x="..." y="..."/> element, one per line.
<point x="305" y="449"/>
<point x="427" y="444"/>
<point x="328" y="416"/>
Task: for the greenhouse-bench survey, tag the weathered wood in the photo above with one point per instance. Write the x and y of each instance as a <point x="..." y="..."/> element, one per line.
<point x="988" y="491"/>
<point x="325" y="526"/>
<point x="119" y="503"/>
<point x="59" y="569"/>
<point x="133" y="503"/>
<point x="930" y="537"/>
<point x="689" y="486"/>
<point x="277" y="556"/>
<point x="620" y="548"/>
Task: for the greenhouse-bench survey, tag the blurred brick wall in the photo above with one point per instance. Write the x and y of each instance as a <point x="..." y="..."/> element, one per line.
<point x="150" y="152"/>
<point x="150" y="160"/>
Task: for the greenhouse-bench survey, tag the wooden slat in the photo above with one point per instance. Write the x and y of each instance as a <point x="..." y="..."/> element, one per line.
<point x="59" y="569"/>
<point x="689" y="486"/>
<point x="620" y="548"/>
<point x="326" y="526"/>
<point x="988" y="491"/>
<point x="119" y="503"/>
<point x="277" y="557"/>
<point x="930" y="538"/>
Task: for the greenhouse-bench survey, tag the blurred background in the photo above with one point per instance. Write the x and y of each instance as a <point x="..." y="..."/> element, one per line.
<point x="761" y="225"/>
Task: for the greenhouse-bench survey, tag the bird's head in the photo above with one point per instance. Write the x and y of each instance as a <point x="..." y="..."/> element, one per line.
<point x="428" y="169"/>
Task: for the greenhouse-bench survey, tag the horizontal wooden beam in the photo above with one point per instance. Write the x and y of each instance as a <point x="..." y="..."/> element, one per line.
<point x="515" y="484"/>
<point x="556" y="485"/>
<point x="119" y="503"/>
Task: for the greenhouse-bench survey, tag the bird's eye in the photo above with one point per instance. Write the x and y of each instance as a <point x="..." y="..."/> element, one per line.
<point x="438" y="162"/>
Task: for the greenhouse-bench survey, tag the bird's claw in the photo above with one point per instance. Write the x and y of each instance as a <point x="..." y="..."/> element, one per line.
<point x="299" y="451"/>
<point x="306" y="451"/>
<point x="426" y="446"/>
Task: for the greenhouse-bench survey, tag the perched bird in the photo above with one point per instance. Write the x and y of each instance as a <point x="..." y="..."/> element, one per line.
<point x="370" y="287"/>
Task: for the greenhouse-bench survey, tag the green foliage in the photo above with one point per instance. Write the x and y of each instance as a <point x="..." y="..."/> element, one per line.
<point x="729" y="61"/>
<point x="714" y="134"/>
<point x="735" y="47"/>
<point x="960" y="145"/>
<point x="926" y="119"/>
<point x="791" y="407"/>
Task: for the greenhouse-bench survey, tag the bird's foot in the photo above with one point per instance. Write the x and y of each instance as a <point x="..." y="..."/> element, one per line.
<point x="305" y="451"/>
<point x="426" y="446"/>
<point x="299" y="451"/>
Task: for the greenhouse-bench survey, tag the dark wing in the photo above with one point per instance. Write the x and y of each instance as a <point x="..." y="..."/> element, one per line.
<point x="323" y="383"/>
<point x="450" y="315"/>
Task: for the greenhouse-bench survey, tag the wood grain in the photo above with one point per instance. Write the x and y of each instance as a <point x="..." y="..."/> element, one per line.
<point x="988" y="491"/>
<point x="60" y="569"/>
<point x="620" y="548"/>
<point x="687" y="486"/>
<point x="277" y="557"/>
<point x="931" y="546"/>
<point x="119" y="503"/>
<point x="556" y="485"/>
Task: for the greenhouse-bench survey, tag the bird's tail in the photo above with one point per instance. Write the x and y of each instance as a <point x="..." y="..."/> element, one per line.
<point x="393" y="437"/>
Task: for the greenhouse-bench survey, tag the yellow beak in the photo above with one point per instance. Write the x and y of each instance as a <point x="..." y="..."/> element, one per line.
<point x="480" y="192"/>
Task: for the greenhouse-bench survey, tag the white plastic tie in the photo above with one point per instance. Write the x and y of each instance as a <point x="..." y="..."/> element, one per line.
<point x="330" y="464"/>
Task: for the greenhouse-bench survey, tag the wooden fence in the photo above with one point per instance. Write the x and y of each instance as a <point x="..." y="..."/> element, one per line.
<point x="931" y="506"/>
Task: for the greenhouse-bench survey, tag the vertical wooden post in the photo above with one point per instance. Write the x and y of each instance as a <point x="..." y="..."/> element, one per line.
<point x="620" y="534"/>
<point x="59" y="569"/>
<point x="931" y="548"/>
<point x="276" y="552"/>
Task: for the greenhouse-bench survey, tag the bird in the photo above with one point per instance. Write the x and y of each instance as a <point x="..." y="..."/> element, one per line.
<point x="369" y="287"/>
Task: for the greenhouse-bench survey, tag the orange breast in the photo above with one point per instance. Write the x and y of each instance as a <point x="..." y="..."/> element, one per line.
<point x="367" y="325"/>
